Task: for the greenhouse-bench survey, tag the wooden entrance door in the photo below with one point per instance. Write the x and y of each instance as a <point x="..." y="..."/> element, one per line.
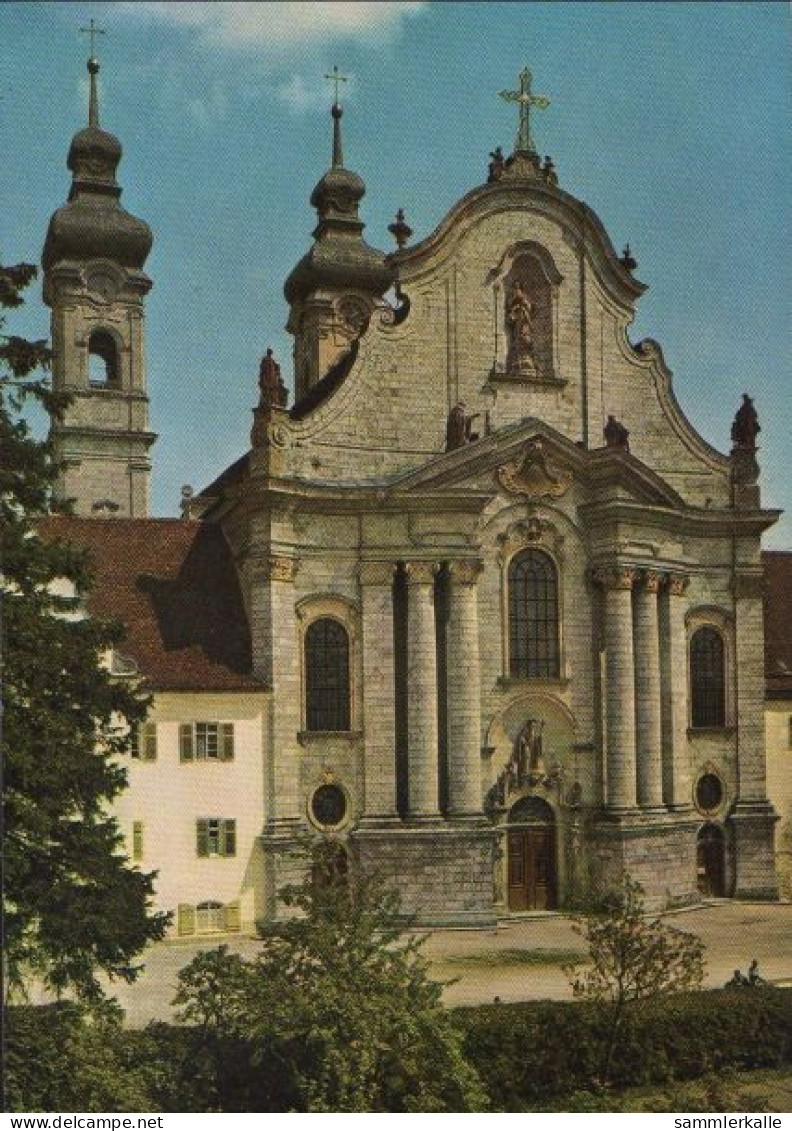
<point x="711" y="861"/>
<point x="532" y="878"/>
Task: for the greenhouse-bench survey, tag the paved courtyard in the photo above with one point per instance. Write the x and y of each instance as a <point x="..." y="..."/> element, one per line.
<point x="494" y="963"/>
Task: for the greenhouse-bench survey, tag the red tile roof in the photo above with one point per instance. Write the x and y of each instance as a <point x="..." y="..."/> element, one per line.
<point x="778" y="623"/>
<point x="173" y="585"/>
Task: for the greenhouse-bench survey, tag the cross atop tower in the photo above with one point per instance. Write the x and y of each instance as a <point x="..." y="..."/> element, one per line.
<point x="336" y="78"/>
<point x="526" y="100"/>
<point x="93" y="30"/>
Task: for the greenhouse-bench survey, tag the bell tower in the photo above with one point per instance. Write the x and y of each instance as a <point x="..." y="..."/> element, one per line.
<point x="95" y="286"/>
<point x="336" y="286"/>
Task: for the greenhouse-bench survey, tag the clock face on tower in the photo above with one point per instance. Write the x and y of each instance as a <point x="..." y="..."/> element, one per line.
<point x="102" y="284"/>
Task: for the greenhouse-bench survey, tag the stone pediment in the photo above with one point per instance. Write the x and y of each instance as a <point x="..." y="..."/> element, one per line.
<point x="533" y="461"/>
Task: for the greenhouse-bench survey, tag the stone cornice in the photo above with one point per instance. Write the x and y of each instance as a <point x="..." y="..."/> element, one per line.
<point x="685" y="520"/>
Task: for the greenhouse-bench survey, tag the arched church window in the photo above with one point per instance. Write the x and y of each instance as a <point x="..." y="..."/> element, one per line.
<point x="326" y="675"/>
<point x="707" y="678"/>
<point x="533" y="615"/>
<point x="103" y="368"/>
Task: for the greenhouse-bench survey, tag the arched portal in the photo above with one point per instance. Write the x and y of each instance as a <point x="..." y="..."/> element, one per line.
<point x="711" y="861"/>
<point x="532" y="875"/>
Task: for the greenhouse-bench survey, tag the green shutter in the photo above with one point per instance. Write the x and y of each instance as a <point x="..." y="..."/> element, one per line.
<point x="186" y="750"/>
<point x="202" y="831"/>
<point x="149" y="745"/>
<point x="232" y="916"/>
<point x="186" y="919"/>
<point x="134" y="740"/>
<point x="226" y="742"/>
<point x="137" y="840"/>
<point x="228" y="835"/>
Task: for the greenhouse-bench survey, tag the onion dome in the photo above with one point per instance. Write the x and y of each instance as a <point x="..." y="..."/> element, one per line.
<point x="93" y="225"/>
<point x="340" y="259"/>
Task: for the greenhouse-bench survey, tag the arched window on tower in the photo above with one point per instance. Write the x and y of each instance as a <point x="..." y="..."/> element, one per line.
<point x="533" y="615"/>
<point x="326" y="676"/>
<point x="103" y="367"/>
<point x="707" y="678"/>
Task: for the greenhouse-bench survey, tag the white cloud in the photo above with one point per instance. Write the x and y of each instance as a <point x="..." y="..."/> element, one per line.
<point x="302" y="94"/>
<point x="283" y="25"/>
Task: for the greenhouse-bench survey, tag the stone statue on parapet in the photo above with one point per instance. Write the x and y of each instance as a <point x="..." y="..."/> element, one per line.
<point x="273" y="391"/>
<point x="496" y="165"/>
<point x="745" y="427"/>
<point x="616" y="435"/>
<point x="459" y="427"/>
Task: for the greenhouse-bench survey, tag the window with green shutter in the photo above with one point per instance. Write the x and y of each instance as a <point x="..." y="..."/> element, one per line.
<point x="186" y="919"/>
<point x="232" y="916"/>
<point x="215" y="836"/>
<point x="206" y="742"/>
<point x="137" y="840"/>
<point x="186" y="745"/>
<point x="143" y="741"/>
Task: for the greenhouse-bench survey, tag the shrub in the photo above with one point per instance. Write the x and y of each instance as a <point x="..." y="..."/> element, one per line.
<point x="63" y="1057"/>
<point x="529" y="1051"/>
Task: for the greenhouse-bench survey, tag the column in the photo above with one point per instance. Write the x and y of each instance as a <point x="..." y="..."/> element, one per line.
<point x="463" y="680"/>
<point x="422" y="781"/>
<point x="379" y="723"/>
<point x="673" y="669"/>
<point x="619" y="687"/>
<point x="648" y="717"/>
<point x="276" y="662"/>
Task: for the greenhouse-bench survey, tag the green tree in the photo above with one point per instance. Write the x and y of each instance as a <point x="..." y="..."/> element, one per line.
<point x="337" y="1008"/>
<point x="631" y="959"/>
<point x="73" y="906"/>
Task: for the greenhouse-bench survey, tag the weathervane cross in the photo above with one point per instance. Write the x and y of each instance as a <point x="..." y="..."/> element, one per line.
<point x="93" y="30"/>
<point x="526" y="100"/>
<point x="336" y="78"/>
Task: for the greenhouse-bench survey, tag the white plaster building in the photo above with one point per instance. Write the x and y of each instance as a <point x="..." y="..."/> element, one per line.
<point x="491" y="607"/>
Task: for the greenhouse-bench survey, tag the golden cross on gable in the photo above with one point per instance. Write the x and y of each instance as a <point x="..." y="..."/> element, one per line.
<point x="526" y="100"/>
<point x="93" y="30"/>
<point x="336" y="78"/>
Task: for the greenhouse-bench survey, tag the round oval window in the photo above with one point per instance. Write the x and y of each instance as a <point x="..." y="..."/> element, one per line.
<point x="709" y="792"/>
<point x="328" y="805"/>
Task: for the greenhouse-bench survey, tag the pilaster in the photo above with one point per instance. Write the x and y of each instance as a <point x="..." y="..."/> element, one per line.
<point x="464" y="692"/>
<point x="617" y="582"/>
<point x="376" y="585"/>
<point x="674" y="693"/>
<point x="648" y="720"/>
<point x="422" y="729"/>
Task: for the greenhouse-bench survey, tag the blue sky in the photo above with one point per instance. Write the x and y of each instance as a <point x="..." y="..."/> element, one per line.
<point x="672" y="120"/>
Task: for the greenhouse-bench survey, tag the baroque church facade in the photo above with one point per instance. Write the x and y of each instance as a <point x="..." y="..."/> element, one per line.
<point x="479" y="605"/>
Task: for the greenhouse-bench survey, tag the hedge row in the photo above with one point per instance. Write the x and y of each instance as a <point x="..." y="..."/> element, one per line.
<point x="529" y="1051"/>
<point x="525" y="1053"/>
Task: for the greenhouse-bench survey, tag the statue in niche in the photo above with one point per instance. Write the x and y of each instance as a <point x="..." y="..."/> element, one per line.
<point x="459" y="428"/>
<point x="520" y="331"/>
<point x="745" y="428"/>
<point x="530" y="760"/>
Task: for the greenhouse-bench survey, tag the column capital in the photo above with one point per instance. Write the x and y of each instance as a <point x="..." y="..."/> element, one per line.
<point x="615" y="577"/>
<point x="465" y="572"/>
<point x="272" y="567"/>
<point x="376" y="573"/>
<point x="651" y="580"/>
<point x="420" y="573"/>
<point x="677" y="583"/>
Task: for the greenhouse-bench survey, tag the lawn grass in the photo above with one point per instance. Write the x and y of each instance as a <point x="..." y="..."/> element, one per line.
<point x="512" y="957"/>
